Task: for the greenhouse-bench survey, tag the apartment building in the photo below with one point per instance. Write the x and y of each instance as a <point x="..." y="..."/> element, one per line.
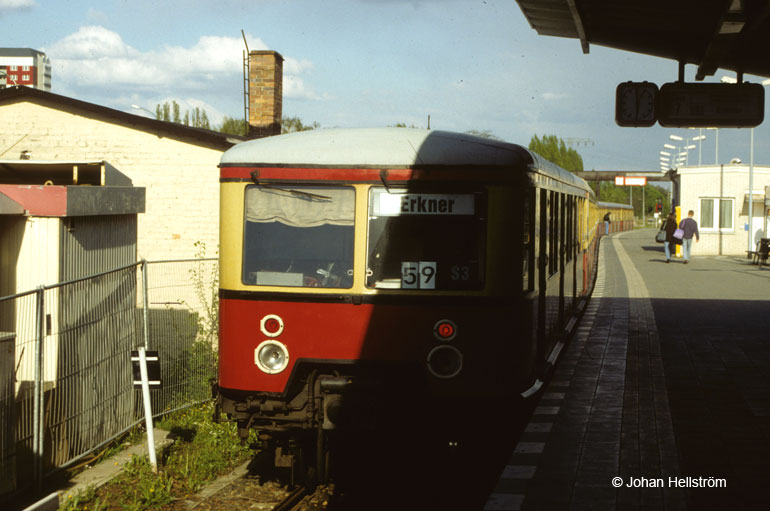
<point x="25" y="66"/>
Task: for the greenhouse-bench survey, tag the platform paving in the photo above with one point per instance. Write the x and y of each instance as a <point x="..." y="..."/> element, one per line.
<point x="664" y="390"/>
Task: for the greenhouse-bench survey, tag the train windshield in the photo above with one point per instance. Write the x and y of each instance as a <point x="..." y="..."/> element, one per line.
<point x="425" y="240"/>
<point x="299" y="236"/>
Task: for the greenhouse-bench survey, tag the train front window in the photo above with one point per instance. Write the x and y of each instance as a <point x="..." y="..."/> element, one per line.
<point x="425" y="240"/>
<point x="299" y="236"/>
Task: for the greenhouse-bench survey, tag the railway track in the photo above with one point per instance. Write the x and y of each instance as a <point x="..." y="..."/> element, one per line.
<point x="302" y="500"/>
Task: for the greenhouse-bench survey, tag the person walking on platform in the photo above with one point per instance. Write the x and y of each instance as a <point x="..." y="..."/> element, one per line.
<point x="607" y="223"/>
<point x="690" y="228"/>
<point x="669" y="224"/>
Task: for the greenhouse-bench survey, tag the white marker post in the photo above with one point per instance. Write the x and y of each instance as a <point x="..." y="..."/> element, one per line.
<point x="147" y="407"/>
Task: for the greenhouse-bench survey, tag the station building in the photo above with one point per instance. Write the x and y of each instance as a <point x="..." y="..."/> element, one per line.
<point x="719" y="196"/>
<point x="176" y="164"/>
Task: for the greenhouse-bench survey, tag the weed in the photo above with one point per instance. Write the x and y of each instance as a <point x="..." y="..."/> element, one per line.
<point x="206" y="452"/>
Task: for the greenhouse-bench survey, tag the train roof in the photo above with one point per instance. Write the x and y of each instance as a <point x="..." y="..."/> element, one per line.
<point x="406" y="147"/>
<point x="389" y="147"/>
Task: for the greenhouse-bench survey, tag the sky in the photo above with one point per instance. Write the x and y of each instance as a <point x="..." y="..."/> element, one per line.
<point x="465" y="64"/>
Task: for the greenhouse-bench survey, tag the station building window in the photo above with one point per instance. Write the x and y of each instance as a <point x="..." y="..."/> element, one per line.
<point x="716" y="214"/>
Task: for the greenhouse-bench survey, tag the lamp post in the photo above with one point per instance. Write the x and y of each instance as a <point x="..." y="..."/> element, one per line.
<point x="716" y="146"/>
<point x="687" y="153"/>
<point x="678" y="154"/>
<point x="667" y="162"/>
<point x="137" y="107"/>
<point x="684" y="150"/>
<point x="699" y="139"/>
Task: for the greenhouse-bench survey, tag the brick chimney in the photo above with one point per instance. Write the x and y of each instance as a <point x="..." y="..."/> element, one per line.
<point x="265" y="93"/>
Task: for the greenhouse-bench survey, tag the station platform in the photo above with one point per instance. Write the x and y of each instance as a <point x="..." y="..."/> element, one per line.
<point x="661" y="400"/>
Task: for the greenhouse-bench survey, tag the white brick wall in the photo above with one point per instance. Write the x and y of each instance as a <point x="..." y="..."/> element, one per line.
<point x="181" y="178"/>
<point x="727" y="182"/>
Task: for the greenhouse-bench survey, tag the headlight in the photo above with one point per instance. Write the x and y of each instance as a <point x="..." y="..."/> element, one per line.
<point x="271" y="357"/>
<point x="445" y="361"/>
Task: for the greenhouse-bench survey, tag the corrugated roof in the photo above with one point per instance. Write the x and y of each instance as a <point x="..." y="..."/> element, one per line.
<point x="198" y="136"/>
<point x="711" y="34"/>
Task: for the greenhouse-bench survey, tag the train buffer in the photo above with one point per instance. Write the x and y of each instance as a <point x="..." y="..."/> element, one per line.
<point x="662" y="398"/>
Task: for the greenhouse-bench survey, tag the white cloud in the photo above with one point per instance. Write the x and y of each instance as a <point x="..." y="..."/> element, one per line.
<point x="95" y="58"/>
<point x="295" y="67"/>
<point x="91" y="42"/>
<point x="7" y="6"/>
<point x="294" y="87"/>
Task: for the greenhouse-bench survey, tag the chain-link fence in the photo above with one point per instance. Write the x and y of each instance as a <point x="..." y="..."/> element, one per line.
<point x="66" y="380"/>
<point x="183" y="328"/>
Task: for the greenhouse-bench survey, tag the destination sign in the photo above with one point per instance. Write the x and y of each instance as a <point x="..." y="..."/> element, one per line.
<point x="396" y="204"/>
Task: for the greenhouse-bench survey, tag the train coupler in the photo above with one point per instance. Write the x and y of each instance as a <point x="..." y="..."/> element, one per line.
<point x="283" y="460"/>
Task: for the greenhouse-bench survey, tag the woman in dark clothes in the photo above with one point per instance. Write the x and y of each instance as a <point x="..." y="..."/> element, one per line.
<point x="670" y="227"/>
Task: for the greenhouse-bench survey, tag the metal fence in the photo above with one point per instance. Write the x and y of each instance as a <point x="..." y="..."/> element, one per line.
<point x="66" y="381"/>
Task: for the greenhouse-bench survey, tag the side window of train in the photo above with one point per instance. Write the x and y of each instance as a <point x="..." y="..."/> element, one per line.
<point x="528" y="243"/>
<point x="567" y="228"/>
<point x="573" y="225"/>
<point x="551" y="229"/>
<point x="543" y="236"/>
<point x="553" y="256"/>
<point x="563" y="215"/>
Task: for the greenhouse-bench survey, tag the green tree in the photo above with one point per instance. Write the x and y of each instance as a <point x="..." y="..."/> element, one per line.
<point x="163" y="112"/>
<point x="199" y="118"/>
<point x="292" y="124"/>
<point x="556" y="151"/>
<point x="232" y="126"/>
<point x="171" y="112"/>
<point x="611" y="193"/>
<point x="627" y="194"/>
<point x="175" y="108"/>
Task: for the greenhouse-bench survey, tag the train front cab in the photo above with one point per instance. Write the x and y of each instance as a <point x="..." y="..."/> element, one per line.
<point x="415" y="312"/>
<point x="382" y="298"/>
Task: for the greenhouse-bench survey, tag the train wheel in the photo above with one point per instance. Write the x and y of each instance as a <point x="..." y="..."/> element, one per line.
<point x="322" y="456"/>
<point x="311" y="461"/>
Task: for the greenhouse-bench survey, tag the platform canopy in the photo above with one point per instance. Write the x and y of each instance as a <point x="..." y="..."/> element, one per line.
<point x="712" y="34"/>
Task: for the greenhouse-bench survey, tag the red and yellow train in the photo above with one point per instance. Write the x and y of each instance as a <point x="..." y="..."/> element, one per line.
<point x="376" y="278"/>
